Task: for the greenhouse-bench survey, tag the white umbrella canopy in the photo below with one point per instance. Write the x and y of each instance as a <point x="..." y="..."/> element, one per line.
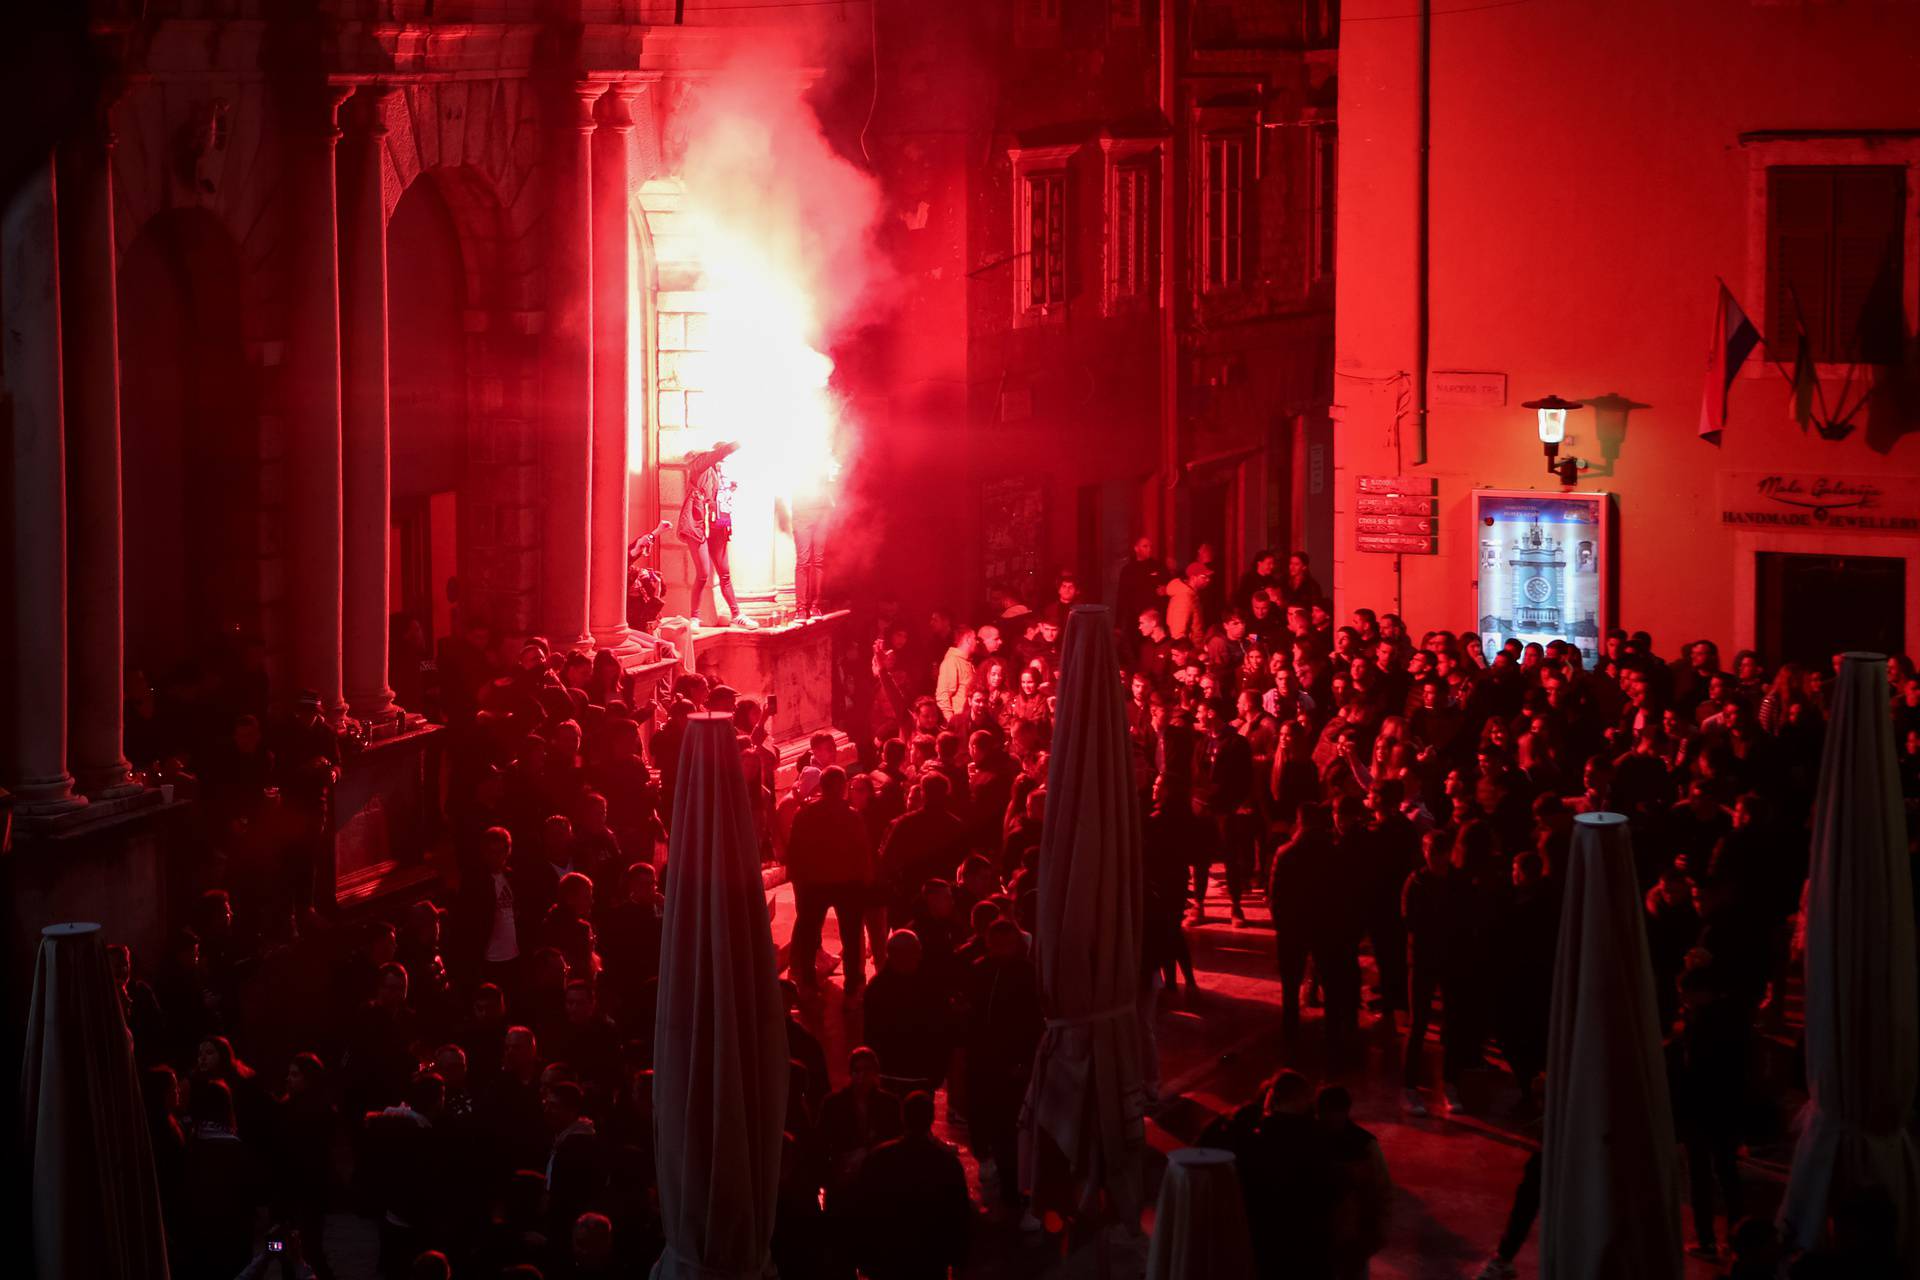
<point x="95" y="1198"/>
<point x="1609" y="1202"/>
<point x="720" y="1038"/>
<point x="1862" y="1027"/>
<point x="1086" y="1105"/>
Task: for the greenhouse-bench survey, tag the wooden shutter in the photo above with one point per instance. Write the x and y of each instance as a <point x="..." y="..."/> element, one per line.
<point x="1834" y="245"/>
<point x="1867" y="263"/>
<point x="1046" y="240"/>
<point x="1799" y="213"/>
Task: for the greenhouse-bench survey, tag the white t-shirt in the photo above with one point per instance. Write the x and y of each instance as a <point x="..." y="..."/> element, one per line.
<point x="503" y="943"/>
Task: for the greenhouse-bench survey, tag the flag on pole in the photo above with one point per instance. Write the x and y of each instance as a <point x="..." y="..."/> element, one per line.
<point x="1734" y="339"/>
<point x="1805" y="383"/>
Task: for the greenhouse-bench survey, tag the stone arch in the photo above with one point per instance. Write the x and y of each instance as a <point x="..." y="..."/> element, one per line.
<point x="480" y="139"/>
<point x="195" y="550"/>
<point x="429" y="403"/>
<point x="212" y="147"/>
<point x="462" y="381"/>
<point x="477" y="142"/>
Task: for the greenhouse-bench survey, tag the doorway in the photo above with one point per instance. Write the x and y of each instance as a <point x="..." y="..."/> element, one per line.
<point x="1808" y="606"/>
<point x="190" y="457"/>
<point x="427" y="397"/>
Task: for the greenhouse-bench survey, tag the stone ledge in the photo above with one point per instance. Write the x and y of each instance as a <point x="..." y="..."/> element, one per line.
<point x="94" y="816"/>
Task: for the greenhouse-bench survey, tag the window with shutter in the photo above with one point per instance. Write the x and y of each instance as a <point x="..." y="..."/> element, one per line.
<point x="1036" y="24"/>
<point x="1223" y="213"/>
<point x="1326" y="172"/>
<point x="1131" y="250"/>
<point x="1835" y="261"/>
<point x="1045" y="251"/>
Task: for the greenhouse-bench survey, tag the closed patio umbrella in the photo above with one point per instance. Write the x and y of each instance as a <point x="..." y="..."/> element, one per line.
<point x="95" y="1199"/>
<point x="1609" y="1199"/>
<point x="1086" y="1106"/>
<point x="1863" y="1045"/>
<point x="720" y="1038"/>
<point x="1200" y="1224"/>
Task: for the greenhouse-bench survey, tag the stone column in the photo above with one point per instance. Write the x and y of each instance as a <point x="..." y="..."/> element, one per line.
<point x="35" y="659"/>
<point x="310" y="409"/>
<point x="90" y="326"/>
<point x="367" y="504"/>
<point x="613" y="268"/>
<point x="567" y="453"/>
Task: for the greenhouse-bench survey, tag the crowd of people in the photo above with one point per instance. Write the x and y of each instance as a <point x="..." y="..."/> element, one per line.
<point x="475" y="1072"/>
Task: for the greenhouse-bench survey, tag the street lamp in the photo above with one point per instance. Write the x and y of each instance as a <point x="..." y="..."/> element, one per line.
<point x="1552" y="414"/>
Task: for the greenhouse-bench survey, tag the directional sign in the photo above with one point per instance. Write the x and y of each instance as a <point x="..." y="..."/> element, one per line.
<point x="1425" y="526"/>
<point x="1394" y="504"/>
<point x="1397" y="544"/>
<point x="1398" y="484"/>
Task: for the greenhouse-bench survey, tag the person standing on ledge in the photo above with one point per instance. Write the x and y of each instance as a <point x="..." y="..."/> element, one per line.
<point x="706" y="526"/>
<point x="811" y="509"/>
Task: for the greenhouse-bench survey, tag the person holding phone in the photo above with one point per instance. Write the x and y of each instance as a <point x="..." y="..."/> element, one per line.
<point x="646" y="592"/>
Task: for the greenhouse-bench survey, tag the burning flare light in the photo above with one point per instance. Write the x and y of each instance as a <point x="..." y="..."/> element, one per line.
<point x="769" y="248"/>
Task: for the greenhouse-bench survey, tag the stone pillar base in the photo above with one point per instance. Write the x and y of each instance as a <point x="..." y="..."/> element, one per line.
<point x="38" y="801"/>
<point x="109" y="784"/>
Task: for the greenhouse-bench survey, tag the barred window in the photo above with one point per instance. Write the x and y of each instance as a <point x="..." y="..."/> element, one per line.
<point x="1046" y="248"/>
<point x="1223" y="215"/>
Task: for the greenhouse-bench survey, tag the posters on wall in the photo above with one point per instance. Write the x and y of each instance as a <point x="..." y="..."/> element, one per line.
<point x="1545" y="566"/>
<point x="1013" y="522"/>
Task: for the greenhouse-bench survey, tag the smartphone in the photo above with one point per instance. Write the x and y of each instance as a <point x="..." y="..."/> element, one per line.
<point x="773" y="704"/>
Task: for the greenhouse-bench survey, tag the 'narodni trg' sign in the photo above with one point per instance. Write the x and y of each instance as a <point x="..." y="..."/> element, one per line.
<point x="1819" y="501"/>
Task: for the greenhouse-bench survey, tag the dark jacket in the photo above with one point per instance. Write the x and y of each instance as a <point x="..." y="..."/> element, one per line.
<point x="407" y="1167"/>
<point x="1004" y="1019"/>
<point x="1227" y="780"/>
<point x="1287" y="1177"/>
<point x="1314" y="900"/>
<point x="921" y="844"/>
<point x="849" y="1129"/>
<point x="908" y="1025"/>
<point x="911" y="1210"/>
<point x="829" y="844"/>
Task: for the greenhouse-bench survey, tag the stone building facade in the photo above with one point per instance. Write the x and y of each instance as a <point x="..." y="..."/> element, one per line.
<point x="1597" y="177"/>
<point x="1113" y="232"/>
<point x="317" y="314"/>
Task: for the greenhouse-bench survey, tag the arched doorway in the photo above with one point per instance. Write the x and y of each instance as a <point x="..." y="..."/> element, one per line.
<point x="190" y="453"/>
<point x="428" y="403"/>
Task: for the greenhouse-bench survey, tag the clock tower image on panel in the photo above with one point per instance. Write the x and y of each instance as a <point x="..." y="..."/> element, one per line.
<point x="1539" y="570"/>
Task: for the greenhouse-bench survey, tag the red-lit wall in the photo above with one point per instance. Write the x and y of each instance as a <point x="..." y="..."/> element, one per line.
<point x="1589" y="182"/>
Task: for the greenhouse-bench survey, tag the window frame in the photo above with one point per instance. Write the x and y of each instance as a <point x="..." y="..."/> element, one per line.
<point x="1121" y="160"/>
<point x="1813" y="150"/>
<point x="1244" y="140"/>
<point x="1325" y="184"/>
<point x="1032" y="164"/>
<point x="1038" y="24"/>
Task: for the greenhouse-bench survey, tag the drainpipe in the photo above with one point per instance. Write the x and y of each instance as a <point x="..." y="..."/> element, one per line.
<point x="1169" y="468"/>
<point x="1422" y="271"/>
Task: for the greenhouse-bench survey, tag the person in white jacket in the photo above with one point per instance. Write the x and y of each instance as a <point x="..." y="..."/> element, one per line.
<point x="956" y="675"/>
<point x="1185" y="617"/>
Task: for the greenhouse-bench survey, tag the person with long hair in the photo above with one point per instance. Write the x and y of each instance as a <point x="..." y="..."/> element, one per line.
<point x="216" y="1060"/>
<point x="304" y="1122"/>
<point x="219" y="1182"/>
